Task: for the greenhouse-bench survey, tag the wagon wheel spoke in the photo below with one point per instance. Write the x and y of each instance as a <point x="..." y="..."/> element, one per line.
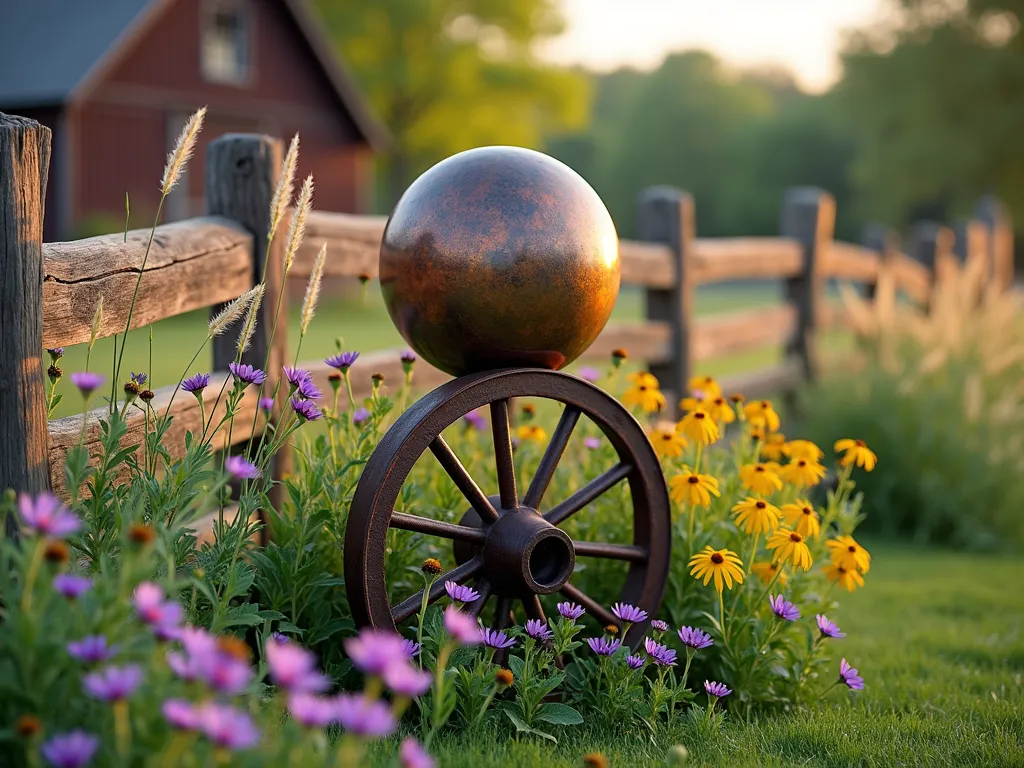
<point x="533" y="607"/>
<point x="483" y="587"/>
<point x="596" y="610"/>
<point x="552" y="455"/>
<point x="411" y="605"/>
<point x="503" y="454"/>
<point x="451" y="464"/>
<point x="588" y="493"/>
<point x="634" y="553"/>
<point x="437" y="528"/>
<point x="503" y="613"/>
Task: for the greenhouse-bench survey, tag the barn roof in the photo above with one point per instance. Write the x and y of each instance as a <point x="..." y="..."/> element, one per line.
<point x="50" y="49"/>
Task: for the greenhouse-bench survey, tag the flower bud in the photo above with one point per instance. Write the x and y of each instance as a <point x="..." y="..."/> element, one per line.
<point x="54" y="372"/>
<point x="431" y="566"/>
<point x="618" y="356"/>
<point x="56" y="552"/>
<point x="28" y="726"/>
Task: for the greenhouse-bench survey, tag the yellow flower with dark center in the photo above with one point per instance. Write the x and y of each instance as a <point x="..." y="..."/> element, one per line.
<point x="643" y="378"/>
<point x="667" y="442"/>
<point x="790" y="547"/>
<point x="757" y="433"/>
<point x="756" y="515"/>
<point x="766" y="572"/>
<point x="528" y="432"/>
<point x="856" y="452"/>
<point x="692" y="488"/>
<point x="720" y="410"/>
<point x="699" y="427"/>
<point x="720" y="564"/>
<point x="848" y="579"/>
<point x="771" y="446"/>
<point x="803" y="473"/>
<point x="845" y="551"/>
<point x="802" y="516"/>
<point x="803" y="449"/>
<point x="706" y="385"/>
<point x="760" y="478"/>
<point x="645" y="396"/>
<point x="761" y="413"/>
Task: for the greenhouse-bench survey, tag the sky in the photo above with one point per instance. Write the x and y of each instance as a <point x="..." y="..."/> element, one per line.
<point x="802" y="35"/>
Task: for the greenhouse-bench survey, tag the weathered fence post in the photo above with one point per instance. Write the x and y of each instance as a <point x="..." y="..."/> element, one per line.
<point x="24" y="166"/>
<point x="242" y="171"/>
<point x="992" y="212"/>
<point x="666" y="215"/>
<point x="886" y="243"/>
<point x="808" y="216"/>
<point x="931" y="244"/>
<point x="971" y="237"/>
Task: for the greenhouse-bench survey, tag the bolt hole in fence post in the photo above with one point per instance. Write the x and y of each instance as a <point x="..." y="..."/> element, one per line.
<point x="241" y="175"/>
<point x="24" y="166"/>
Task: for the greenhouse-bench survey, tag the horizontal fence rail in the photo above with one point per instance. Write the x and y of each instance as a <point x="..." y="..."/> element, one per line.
<point x="202" y="262"/>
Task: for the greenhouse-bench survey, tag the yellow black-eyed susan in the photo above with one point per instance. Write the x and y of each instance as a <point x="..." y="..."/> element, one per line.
<point x="698" y="426"/>
<point x="531" y="433"/>
<point x="722" y="565"/>
<point x="801" y="516"/>
<point x="847" y="578"/>
<point x="803" y="473"/>
<point x="768" y="572"/>
<point x="845" y="551"/>
<point x="692" y="488"/>
<point x="761" y="478"/>
<point x="667" y="442"/>
<point x="762" y="413"/>
<point x="856" y="452"/>
<point x="790" y="547"/>
<point x="803" y="449"/>
<point x="756" y="515"/>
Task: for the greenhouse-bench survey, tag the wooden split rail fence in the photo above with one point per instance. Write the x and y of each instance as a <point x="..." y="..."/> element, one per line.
<point x="48" y="291"/>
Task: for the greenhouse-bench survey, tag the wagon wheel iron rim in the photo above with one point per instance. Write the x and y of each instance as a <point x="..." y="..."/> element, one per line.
<point x="531" y="555"/>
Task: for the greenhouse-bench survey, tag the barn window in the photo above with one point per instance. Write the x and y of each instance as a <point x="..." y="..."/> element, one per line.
<point x="226" y="50"/>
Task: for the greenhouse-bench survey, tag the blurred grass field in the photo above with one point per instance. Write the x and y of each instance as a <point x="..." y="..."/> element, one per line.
<point x="360" y="319"/>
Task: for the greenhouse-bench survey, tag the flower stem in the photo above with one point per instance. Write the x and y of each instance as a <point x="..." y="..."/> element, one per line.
<point x="423" y="616"/>
<point x="753" y="608"/>
<point x="123" y="730"/>
<point x="30" y="579"/>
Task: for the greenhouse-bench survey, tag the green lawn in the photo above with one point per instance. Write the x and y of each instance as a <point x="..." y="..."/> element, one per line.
<point x="939" y="639"/>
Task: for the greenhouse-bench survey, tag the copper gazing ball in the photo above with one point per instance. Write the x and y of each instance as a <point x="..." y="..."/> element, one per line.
<point x="499" y="257"/>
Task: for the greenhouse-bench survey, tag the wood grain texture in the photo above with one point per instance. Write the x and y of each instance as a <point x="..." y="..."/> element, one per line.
<point x="847" y="261"/>
<point x="733" y="332"/>
<point x="353" y="244"/>
<point x="745" y="258"/>
<point x="192" y="264"/>
<point x="66" y="432"/>
<point x="24" y="166"/>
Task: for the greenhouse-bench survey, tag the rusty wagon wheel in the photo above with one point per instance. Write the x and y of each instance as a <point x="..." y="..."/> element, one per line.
<point x="509" y="544"/>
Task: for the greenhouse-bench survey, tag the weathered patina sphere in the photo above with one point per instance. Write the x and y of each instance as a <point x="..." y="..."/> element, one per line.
<point x="499" y="257"/>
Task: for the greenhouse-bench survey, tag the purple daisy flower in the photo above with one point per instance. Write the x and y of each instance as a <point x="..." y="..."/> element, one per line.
<point x="70" y="586"/>
<point x="360" y="416"/>
<point x="312" y="711"/>
<point x="308" y="390"/>
<point x="635" y="662"/>
<point x="476" y="420"/>
<point x="412" y="755"/>
<point x="113" y="683"/>
<point x="246" y="374"/>
<point x="47" y="515"/>
<point x="306" y="409"/>
<point x="461" y="593"/>
<point x="850" y="677"/>
<point x="139" y="378"/>
<point x="228" y="727"/>
<point x="200" y="650"/>
<point x="373" y="651"/>
<point x="181" y="714"/>
<point x="226" y="673"/>
<point x="55" y="353"/>
<point x="461" y="626"/>
<point x="828" y="628"/>
<point x="408" y="357"/>
<point x="86" y="382"/>
<point x="718" y="690"/>
<point x="295" y="376"/>
<point x="242" y="468"/>
<point x="294" y="668"/>
<point x="602" y="646"/>
<point x="695" y="638"/>
<point x="267" y="404"/>
<point x="492" y="638"/>
<point x="411" y="648"/>
<point x="91" y="649"/>
<point x="660" y="654"/>
<point x="629" y="614"/>
<point x="570" y="611"/>
<point x="659" y="626"/>
<point x="343" y="361"/>
<point x="784" y="609"/>
<point x="70" y="750"/>
<point x="405" y="680"/>
<point x="538" y="630"/>
<point x="589" y="374"/>
<point x="163" y="615"/>
<point x="364" y="717"/>
<point x="592" y="443"/>
<point x="196" y="384"/>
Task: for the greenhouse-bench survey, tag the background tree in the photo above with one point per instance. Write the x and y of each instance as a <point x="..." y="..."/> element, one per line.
<point x="447" y="75"/>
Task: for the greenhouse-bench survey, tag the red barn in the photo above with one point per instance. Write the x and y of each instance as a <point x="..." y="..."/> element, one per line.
<point x="116" y="79"/>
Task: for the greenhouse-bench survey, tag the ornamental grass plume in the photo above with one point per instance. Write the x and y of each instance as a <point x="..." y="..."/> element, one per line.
<point x="297" y="228"/>
<point x="722" y="565"/>
<point x="756" y="516"/>
<point x="760" y="478"/>
<point x="698" y="426"/>
<point x="252" y="313"/>
<point x="690" y="487"/>
<point x="282" y="196"/>
<point x="667" y="442"/>
<point x="790" y="547"/>
<point x="179" y="156"/>
<point x="801" y="516"/>
<point x="232" y="311"/>
<point x="312" y="294"/>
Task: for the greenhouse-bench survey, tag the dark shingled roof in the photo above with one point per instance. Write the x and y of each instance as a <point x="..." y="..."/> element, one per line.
<point x="48" y="47"/>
